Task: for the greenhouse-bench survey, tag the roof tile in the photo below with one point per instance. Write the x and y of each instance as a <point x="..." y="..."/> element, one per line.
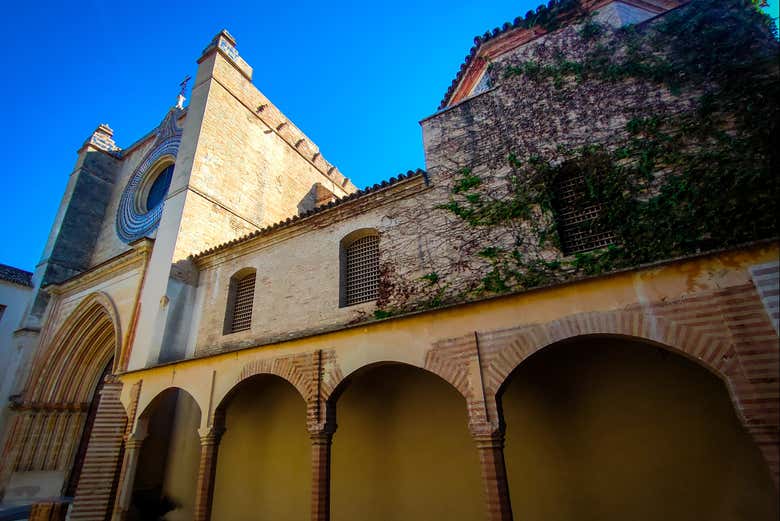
<point x="15" y="275"/>
<point x="354" y="195"/>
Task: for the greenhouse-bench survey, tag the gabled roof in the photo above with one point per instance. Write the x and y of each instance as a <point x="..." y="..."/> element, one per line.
<point x="359" y="194"/>
<point x="15" y="275"/>
<point x="536" y="23"/>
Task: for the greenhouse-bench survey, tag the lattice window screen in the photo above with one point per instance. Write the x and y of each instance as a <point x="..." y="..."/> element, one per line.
<point x="362" y="270"/>
<point x="242" y="307"/>
<point x="577" y="221"/>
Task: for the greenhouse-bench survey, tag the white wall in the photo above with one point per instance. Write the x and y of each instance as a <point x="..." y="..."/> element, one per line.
<point x="15" y="298"/>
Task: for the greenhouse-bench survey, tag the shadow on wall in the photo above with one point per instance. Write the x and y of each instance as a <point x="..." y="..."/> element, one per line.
<point x="402" y="450"/>
<point x="165" y="484"/>
<point x="611" y="429"/>
<point x="316" y="197"/>
<point x="263" y="468"/>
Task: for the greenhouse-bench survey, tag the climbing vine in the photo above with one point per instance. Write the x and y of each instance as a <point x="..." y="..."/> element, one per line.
<point x="674" y="184"/>
<point x="680" y="183"/>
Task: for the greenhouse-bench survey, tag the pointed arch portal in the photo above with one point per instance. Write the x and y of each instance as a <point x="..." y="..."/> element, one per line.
<point x="69" y="396"/>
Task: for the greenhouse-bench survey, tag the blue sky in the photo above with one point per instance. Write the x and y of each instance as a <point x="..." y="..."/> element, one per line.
<point x="356" y="77"/>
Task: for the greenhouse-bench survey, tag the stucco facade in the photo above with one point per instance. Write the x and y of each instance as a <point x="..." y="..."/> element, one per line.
<point x="15" y="291"/>
<point x="430" y="399"/>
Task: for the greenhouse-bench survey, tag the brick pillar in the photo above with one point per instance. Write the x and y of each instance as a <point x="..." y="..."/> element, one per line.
<point x="768" y="440"/>
<point x="207" y="470"/>
<point x="321" y="439"/>
<point x="48" y="512"/>
<point x="93" y="498"/>
<point x="490" y="444"/>
<point x="124" y="491"/>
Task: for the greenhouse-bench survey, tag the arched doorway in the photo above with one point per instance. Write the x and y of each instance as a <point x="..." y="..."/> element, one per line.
<point x="613" y="428"/>
<point x="167" y="471"/>
<point x="263" y="465"/>
<point x="48" y="451"/>
<point x="402" y="449"/>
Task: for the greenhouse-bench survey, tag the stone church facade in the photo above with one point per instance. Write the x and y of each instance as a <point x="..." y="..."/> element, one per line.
<point x="224" y="327"/>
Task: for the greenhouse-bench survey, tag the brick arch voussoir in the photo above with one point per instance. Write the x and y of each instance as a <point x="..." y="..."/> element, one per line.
<point x="294" y="369"/>
<point x="438" y="366"/>
<point x="712" y="353"/>
<point x="453" y="368"/>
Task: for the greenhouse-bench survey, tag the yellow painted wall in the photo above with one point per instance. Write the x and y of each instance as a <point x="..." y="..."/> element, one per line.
<point x="263" y="466"/>
<point x="402" y="450"/>
<point x="154" y="451"/>
<point x="606" y="430"/>
<point x="183" y="459"/>
<point x="168" y="463"/>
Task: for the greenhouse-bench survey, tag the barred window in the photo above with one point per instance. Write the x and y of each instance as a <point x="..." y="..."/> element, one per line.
<point x="576" y="216"/>
<point x="360" y="267"/>
<point x="240" y="299"/>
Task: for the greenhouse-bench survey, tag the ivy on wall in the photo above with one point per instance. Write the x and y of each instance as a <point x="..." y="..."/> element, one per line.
<point x="676" y="184"/>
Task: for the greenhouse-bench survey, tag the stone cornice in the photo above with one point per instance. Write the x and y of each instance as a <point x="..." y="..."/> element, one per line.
<point x="229" y="351"/>
<point x="141" y="250"/>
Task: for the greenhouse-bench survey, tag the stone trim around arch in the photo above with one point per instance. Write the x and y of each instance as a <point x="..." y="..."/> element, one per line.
<point x="83" y="321"/>
<point x="49" y="418"/>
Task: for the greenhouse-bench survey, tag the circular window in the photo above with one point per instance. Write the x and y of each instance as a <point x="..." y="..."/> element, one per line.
<point x="159" y="188"/>
<point x="143" y="199"/>
<point x="141" y="205"/>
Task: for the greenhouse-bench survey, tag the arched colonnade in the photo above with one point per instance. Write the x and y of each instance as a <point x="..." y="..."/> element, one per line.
<point x="475" y="368"/>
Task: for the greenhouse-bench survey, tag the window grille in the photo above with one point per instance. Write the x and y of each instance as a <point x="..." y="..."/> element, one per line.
<point x="241" y="318"/>
<point x="362" y="270"/>
<point x="576" y="218"/>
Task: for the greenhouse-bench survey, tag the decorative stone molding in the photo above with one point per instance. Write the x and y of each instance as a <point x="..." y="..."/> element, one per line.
<point x="103" y="139"/>
<point x="132" y="223"/>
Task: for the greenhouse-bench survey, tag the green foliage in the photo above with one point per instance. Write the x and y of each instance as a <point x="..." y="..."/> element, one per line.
<point x="379" y="314"/>
<point x="548" y="16"/>
<point x="591" y="29"/>
<point x="466" y="182"/>
<point x="431" y="277"/>
<point x="679" y="183"/>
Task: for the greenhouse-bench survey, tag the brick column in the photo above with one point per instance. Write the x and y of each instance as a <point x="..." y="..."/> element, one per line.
<point x="127" y="476"/>
<point x="320" y="473"/>
<point x="768" y="440"/>
<point x="490" y="444"/>
<point x="207" y="470"/>
<point x="94" y="491"/>
<point x="48" y="512"/>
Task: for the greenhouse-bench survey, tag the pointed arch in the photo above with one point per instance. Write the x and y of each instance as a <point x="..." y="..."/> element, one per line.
<point x="67" y="369"/>
<point x="49" y="423"/>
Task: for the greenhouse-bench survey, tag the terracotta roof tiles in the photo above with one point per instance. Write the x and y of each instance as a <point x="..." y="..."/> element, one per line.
<point x="15" y="275"/>
<point x="290" y="220"/>
<point x="541" y="15"/>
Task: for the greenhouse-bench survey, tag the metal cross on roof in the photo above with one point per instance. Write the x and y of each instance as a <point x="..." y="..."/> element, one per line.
<point x="181" y="98"/>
